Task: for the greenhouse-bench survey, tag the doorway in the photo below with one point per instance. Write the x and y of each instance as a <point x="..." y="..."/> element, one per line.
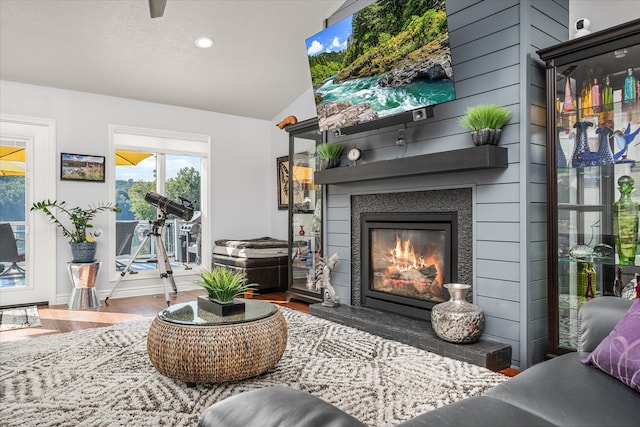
<point x="27" y="175"/>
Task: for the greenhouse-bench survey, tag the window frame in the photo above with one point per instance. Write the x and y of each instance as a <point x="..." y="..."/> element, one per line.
<point x="163" y="142"/>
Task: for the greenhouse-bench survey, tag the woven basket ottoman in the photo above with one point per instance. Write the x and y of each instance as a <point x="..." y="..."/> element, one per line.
<point x="190" y="344"/>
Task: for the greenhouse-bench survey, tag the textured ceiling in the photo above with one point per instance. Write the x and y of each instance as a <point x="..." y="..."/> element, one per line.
<point x="112" y="47"/>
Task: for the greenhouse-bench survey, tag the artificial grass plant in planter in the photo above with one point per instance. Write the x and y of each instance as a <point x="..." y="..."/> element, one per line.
<point x="485" y="122"/>
<point x="330" y="153"/>
<point x="222" y="286"/>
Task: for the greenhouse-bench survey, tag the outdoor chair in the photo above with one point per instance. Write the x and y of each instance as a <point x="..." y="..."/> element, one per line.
<point x="9" y="252"/>
<point x="124" y="237"/>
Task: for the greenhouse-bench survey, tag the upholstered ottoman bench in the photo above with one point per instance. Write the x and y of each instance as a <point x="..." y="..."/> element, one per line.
<point x="263" y="260"/>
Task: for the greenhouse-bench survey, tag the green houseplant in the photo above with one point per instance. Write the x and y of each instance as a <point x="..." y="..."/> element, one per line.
<point x="485" y="122"/>
<point x="330" y="153"/>
<point x="76" y="226"/>
<point x="222" y="286"/>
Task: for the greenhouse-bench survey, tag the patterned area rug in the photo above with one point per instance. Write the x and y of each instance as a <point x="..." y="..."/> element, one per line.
<point x="19" y="317"/>
<point x="103" y="377"/>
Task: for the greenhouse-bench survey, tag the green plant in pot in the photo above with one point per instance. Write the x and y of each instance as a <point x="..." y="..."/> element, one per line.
<point x="76" y="226"/>
<point x="485" y="122"/>
<point x="330" y="153"/>
<point x="222" y="286"/>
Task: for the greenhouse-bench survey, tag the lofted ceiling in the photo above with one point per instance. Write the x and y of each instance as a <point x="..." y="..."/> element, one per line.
<point x="112" y="47"/>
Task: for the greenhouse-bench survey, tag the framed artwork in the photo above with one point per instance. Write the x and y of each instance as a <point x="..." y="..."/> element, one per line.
<point x="282" y="171"/>
<point x="81" y="167"/>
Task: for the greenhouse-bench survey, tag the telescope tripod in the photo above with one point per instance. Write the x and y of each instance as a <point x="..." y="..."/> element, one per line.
<point x="166" y="274"/>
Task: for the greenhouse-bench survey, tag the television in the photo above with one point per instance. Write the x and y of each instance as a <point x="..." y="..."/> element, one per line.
<point x="390" y="59"/>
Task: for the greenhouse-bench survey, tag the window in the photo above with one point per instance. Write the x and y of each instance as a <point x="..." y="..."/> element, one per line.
<point x="174" y="166"/>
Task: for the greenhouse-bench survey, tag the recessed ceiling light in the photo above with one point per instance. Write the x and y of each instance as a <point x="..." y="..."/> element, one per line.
<point x="204" y="42"/>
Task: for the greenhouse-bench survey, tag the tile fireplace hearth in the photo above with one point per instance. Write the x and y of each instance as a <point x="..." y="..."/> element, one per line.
<point x="416" y="332"/>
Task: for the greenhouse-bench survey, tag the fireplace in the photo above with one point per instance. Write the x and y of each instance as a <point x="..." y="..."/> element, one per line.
<point x="406" y="260"/>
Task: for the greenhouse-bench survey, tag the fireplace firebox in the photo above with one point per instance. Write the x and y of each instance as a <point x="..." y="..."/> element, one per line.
<point x="406" y="260"/>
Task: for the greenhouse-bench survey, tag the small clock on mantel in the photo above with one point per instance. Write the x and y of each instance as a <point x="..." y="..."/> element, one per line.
<point x="354" y="154"/>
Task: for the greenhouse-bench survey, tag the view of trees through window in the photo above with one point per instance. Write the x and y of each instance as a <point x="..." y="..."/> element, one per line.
<point x="181" y="184"/>
<point x="130" y="194"/>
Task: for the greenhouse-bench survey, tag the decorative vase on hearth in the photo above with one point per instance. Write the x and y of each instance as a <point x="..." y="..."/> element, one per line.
<point x="457" y="320"/>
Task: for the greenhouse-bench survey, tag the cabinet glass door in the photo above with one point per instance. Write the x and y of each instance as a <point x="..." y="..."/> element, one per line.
<point x="306" y="214"/>
<point x="597" y="114"/>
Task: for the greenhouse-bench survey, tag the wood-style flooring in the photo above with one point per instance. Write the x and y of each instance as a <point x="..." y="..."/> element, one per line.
<point x="56" y="318"/>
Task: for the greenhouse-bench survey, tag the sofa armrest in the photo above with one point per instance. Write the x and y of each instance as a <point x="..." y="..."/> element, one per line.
<point x="597" y="318"/>
<point x="275" y="406"/>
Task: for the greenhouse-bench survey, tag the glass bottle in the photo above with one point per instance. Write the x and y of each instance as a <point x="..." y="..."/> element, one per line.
<point x="309" y="255"/>
<point x="589" y="294"/>
<point x="607" y="95"/>
<point x="586" y="278"/>
<point x="625" y="222"/>
<point x="596" y="101"/>
<point x="629" y="88"/>
<point x="569" y="104"/>
<point x="617" y="283"/>
<point x="585" y="98"/>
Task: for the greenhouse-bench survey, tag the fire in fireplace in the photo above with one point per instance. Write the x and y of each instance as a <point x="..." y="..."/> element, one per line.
<point x="406" y="260"/>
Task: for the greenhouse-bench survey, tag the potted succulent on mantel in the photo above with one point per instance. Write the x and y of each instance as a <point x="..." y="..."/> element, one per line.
<point x="330" y="153"/>
<point x="81" y="239"/>
<point x="222" y="286"/>
<point x="485" y="122"/>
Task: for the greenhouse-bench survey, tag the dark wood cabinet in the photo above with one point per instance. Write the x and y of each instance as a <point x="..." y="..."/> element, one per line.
<point x="590" y="115"/>
<point x="305" y="211"/>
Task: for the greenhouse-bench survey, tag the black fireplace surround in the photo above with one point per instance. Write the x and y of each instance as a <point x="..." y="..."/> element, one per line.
<point x="450" y="208"/>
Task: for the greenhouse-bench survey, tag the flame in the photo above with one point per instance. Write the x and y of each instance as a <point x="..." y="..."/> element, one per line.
<point x="402" y="257"/>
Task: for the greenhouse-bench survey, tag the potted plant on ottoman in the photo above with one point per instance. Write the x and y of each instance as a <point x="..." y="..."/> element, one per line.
<point x="330" y="153"/>
<point x="222" y="286"/>
<point x="485" y="122"/>
<point x="81" y="239"/>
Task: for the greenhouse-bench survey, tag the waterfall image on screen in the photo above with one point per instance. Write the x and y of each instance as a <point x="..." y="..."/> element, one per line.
<point x="386" y="59"/>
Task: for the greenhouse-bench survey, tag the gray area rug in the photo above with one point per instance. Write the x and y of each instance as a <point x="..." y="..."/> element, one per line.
<point x="103" y="377"/>
<point x="19" y="317"/>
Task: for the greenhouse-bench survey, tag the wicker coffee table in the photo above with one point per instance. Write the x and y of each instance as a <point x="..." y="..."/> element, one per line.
<point x="196" y="346"/>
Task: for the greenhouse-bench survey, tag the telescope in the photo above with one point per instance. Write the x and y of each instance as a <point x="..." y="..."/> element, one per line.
<point x="182" y="209"/>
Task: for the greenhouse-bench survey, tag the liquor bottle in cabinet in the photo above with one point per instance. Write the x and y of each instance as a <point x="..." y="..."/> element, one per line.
<point x="305" y="211"/>
<point x="590" y="229"/>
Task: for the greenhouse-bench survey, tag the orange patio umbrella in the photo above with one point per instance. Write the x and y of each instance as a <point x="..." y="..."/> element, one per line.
<point x="123" y="157"/>
<point x="13" y="153"/>
<point x="12" y="168"/>
<point x="130" y="158"/>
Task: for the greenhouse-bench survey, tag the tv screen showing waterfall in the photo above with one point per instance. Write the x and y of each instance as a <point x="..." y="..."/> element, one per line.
<point x="388" y="58"/>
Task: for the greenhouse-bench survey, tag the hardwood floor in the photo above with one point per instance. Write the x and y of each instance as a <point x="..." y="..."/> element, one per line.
<point x="56" y="319"/>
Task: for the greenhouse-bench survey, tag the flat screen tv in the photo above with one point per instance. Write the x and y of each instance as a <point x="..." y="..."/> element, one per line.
<point x="387" y="59"/>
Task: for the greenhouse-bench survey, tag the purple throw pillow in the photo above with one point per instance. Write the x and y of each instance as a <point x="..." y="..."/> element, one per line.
<point x="619" y="353"/>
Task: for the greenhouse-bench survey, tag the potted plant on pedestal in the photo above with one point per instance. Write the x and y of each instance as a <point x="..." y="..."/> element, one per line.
<point x="485" y="122"/>
<point x="330" y="153"/>
<point x="78" y="228"/>
<point x="222" y="286"/>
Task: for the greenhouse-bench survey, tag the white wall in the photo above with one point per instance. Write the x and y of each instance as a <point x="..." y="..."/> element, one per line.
<point x="602" y="14"/>
<point x="240" y="176"/>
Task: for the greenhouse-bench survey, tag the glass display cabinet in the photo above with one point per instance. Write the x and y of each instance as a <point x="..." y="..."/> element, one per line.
<point x="305" y="211"/>
<point x="593" y="127"/>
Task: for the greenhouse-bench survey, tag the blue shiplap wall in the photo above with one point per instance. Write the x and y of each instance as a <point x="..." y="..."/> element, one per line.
<point x="493" y="51"/>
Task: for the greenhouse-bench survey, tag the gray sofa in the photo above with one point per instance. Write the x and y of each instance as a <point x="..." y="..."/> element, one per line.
<point x="561" y="392"/>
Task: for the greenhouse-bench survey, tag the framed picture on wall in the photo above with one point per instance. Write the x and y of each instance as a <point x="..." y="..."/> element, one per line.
<point x="282" y="171"/>
<point x="81" y="167"/>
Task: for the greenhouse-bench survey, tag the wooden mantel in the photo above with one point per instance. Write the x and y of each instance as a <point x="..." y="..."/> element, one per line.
<point x="466" y="159"/>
